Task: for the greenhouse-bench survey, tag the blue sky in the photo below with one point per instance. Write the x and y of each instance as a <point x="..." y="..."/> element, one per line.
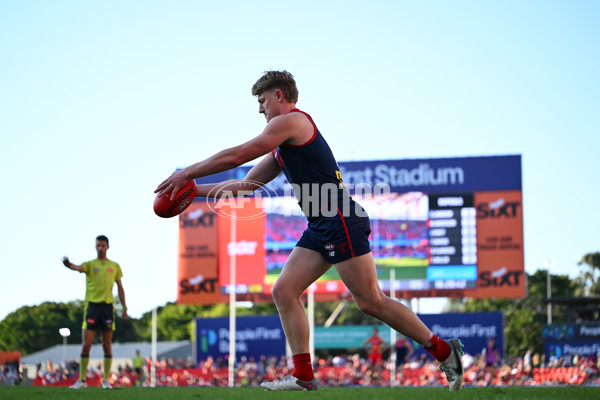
<point x="102" y="100"/>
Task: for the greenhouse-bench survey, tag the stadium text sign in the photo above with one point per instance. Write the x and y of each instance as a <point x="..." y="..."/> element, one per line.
<point x="255" y="336"/>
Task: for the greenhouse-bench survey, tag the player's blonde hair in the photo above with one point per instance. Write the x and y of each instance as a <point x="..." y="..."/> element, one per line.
<point x="281" y="80"/>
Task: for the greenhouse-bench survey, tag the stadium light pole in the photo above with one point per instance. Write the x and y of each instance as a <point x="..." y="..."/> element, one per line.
<point x="392" y="331"/>
<point x="65" y="333"/>
<point x="232" y="298"/>
<point x="310" y="303"/>
<point x="153" y="351"/>
<point x="547" y="264"/>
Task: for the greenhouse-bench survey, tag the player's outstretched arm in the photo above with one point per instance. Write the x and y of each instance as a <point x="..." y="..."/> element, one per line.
<point x="258" y="176"/>
<point x="265" y="171"/>
<point x="279" y="130"/>
<point x="70" y="265"/>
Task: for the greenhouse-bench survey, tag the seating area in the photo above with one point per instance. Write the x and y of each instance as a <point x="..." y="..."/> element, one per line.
<point x="351" y="370"/>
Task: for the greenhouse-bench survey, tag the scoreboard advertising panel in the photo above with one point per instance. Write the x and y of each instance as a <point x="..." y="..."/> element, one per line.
<point x="446" y="227"/>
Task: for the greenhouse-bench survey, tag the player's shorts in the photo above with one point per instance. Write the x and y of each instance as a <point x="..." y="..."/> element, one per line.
<point x="99" y="316"/>
<point x="401" y="355"/>
<point x="375" y="358"/>
<point x="338" y="238"/>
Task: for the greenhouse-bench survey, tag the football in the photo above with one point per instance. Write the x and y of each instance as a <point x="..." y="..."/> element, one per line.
<point x="166" y="208"/>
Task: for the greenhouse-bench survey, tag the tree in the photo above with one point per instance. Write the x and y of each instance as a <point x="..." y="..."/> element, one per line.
<point x="523" y="318"/>
<point x="588" y="280"/>
<point x="34" y="328"/>
<point x="30" y="329"/>
<point x="176" y="322"/>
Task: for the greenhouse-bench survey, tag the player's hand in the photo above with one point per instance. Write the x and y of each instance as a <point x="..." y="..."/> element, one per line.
<point x="66" y="262"/>
<point x="125" y="317"/>
<point x="172" y="184"/>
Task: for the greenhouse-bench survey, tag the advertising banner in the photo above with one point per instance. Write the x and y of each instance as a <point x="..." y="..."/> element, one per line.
<point x="197" y="275"/>
<point x="569" y="348"/>
<point x="347" y="337"/>
<point x="255" y="336"/>
<point x="500" y="257"/>
<point x="473" y="329"/>
<point x="567" y="332"/>
<point x="248" y="247"/>
<point x="567" y="339"/>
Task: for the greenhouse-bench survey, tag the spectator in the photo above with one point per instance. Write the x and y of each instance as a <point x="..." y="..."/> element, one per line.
<point x="404" y="350"/>
<point x="375" y="346"/>
<point x="352" y="370"/>
<point x="492" y="355"/>
<point x="138" y="367"/>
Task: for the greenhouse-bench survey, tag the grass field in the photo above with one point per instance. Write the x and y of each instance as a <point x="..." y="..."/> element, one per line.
<point x="200" y="393"/>
<point x="406" y="268"/>
<point x="385" y="262"/>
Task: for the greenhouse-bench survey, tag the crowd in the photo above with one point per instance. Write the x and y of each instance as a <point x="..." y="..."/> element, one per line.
<point x="341" y="370"/>
<point x="10" y="374"/>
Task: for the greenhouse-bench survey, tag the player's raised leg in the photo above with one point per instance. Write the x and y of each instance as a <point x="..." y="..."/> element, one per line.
<point x="360" y="276"/>
<point x="302" y="268"/>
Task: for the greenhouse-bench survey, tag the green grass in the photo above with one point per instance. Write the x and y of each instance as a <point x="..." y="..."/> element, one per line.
<point x="401" y="263"/>
<point x="330" y="275"/>
<point x="337" y="393"/>
<point x="403" y="273"/>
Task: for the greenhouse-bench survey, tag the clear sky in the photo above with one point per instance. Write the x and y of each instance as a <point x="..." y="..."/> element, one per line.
<point x="102" y="100"/>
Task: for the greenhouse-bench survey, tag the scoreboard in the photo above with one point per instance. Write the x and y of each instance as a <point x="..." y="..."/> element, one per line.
<point x="452" y="242"/>
<point x="446" y="227"/>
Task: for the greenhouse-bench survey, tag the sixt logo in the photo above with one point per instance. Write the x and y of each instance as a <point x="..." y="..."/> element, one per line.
<point x="242" y="248"/>
<point x="498" y="209"/>
<point x="197" y="218"/>
<point x="500" y="277"/>
<point x="198" y="284"/>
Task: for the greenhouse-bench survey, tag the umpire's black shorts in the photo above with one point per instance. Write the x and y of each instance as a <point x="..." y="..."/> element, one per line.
<point x="99" y="316"/>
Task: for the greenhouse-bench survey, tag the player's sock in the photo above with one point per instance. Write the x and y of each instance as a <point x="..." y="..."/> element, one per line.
<point x="302" y="367"/>
<point x="437" y="348"/>
<point x="107" y="365"/>
<point x="83" y="364"/>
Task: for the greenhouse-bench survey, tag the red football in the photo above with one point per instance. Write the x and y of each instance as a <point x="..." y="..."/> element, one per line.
<point x="165" y="208"/>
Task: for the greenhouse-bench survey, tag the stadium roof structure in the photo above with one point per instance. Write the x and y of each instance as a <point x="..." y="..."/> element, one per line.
<point x="121" y="351"/>
<point x="579" y="309"/>
<point x="573" y="301"/>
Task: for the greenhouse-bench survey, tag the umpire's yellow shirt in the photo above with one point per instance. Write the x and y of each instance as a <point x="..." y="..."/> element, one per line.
<point x="101" y="276"/>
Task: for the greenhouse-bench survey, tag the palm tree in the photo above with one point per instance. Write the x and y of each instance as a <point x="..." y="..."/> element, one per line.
<point x="589" y="280"/>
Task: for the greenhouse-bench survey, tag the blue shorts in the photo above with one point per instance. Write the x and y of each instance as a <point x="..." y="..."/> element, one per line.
<point x="338" y="238"/>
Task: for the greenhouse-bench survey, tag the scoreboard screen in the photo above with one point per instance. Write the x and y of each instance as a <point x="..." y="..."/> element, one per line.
<point x="428" y="240"/>
<point x="444" y="227"/>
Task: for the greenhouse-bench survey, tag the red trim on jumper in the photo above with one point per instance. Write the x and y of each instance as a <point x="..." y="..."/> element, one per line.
<point x="314" y="132"/>
<point x="347" y="234"/>
<point x="277" y="158"/>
